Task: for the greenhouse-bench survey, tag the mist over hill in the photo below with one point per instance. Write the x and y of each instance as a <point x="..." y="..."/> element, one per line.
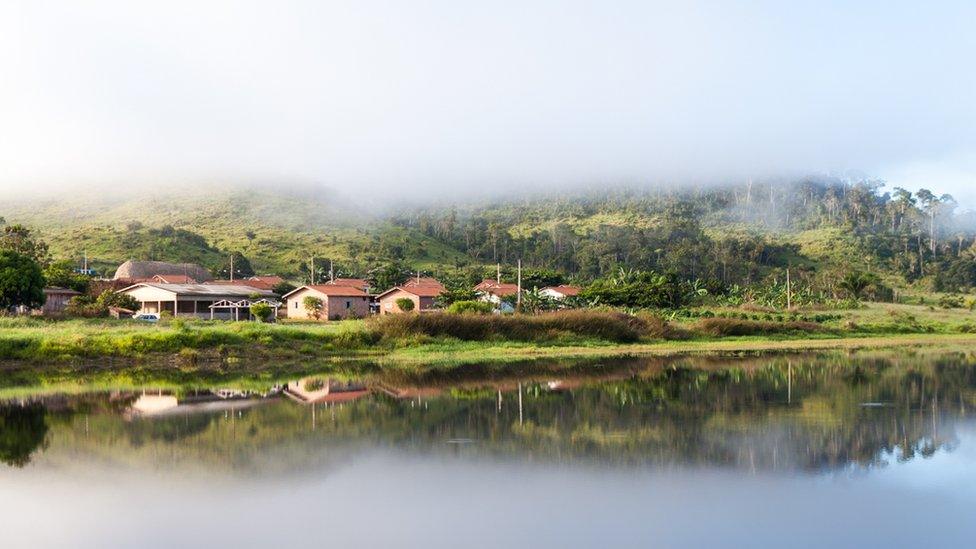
<point x="736" y="234"/>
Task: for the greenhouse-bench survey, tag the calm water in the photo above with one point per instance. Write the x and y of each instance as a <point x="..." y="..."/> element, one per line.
<point x="869" y="449"/>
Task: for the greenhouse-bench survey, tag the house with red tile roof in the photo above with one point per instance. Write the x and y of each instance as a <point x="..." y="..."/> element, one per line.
<point x="493" y="292"/>
<point x="360" y="283"/>
<point x="338" y="302"/>
<point x="561" y="292"/>
<point x="423" y="294"/>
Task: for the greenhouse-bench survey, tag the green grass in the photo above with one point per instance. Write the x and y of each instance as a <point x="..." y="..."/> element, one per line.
<point x="238" y="345"/>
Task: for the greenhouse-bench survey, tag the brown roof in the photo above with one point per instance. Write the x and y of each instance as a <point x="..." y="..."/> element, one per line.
<point x="496" y="288"/>
<point x="255" y="282"/>
<point x="173" y="279"/>
<point x="422" y="281"/>
<point x="351" y="282"/>
<point x="565" y="289"/>
<point x="332" y="290"/>
<point x="429" y="290"/>
<point x="60" y="290"/>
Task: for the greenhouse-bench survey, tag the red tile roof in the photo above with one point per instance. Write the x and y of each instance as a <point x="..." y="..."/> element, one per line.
<point x="422" y="281"/>
<point x="500" y="289"/>
<point x="335" y="290"/>
<point x="174" y="279"/>
<point x="350" y="282"/>
<point x="565" y="289"/>
<point x="261" y="283"/>
<point x="420" y="291"/>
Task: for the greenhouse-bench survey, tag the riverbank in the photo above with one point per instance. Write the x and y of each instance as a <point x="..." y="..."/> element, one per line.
<point x="445" y="340"/>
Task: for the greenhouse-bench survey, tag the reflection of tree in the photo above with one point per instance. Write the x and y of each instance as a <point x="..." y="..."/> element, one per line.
<point x="22" y="431"/>
<point x="819" y="413"/>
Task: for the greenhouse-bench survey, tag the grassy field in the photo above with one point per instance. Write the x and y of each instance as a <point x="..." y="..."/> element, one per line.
<point x="470" y="339"/>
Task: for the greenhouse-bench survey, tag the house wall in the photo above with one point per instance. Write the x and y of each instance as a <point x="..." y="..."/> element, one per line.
<point x="388" y="304"/>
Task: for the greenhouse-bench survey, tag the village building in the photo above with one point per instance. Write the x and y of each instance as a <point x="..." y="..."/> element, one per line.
<point x="56" y="300"/>
<point x="215" y="301"/>
<point x="260" y="282"/>
<point x="561" y="292"/>
<point x="144" y="271"/>
<point x="338" y="302"/>
<point x="423" y="297"/>
<point x="494" y="292"/>
<point x="358" y="283"/>
<point x="173" y="279"/>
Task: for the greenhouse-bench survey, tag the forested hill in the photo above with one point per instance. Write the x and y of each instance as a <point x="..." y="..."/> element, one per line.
<point x="738" y="235"/>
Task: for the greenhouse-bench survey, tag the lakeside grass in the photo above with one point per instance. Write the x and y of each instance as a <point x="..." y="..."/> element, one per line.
<point x="432" y="340"/>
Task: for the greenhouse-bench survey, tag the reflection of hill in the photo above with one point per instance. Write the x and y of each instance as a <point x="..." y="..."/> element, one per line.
<point x="811" y="414"/>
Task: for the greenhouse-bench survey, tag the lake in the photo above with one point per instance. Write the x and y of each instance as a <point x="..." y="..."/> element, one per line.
<point x="842" y="450"/>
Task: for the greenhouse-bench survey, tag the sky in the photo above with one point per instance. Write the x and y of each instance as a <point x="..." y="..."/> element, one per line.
<point x="454" y="97"/>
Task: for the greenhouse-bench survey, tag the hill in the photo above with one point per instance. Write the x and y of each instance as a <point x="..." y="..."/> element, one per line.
<point x="276" y="231"/>
<point x="725" y="237"/>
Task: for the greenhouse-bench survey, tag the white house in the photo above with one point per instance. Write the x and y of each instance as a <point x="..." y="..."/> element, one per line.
<point x="220" y="301"/>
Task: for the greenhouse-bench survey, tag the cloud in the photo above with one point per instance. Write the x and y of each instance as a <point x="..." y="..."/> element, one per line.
<point x="453" y="96"/>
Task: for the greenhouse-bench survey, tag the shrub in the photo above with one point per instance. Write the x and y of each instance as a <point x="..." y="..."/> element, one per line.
<point x="718" y="327"/>
<point x="615" y="327"/>
<point x="469" y="306"/>
<point x="951" y="301"/>
<point x="405" y="304"/>
<point x="262" y="311"/>
<point x="313" y="306"/>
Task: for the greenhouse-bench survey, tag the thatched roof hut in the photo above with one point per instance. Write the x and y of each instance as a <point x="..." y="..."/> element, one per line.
<point x="144" y="270"/>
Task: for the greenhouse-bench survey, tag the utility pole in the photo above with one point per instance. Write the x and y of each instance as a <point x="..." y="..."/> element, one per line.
<point x="498" y="273"/>
<point x="789" y="291"/>
<point x="231" y="267"/>
<point x="518" y="296"/>
<point x="418" y="276"/>
<point x="331" y="273"/>
<point x="311" y="270"/>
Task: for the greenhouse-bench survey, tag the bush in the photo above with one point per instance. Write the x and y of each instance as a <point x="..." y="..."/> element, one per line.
<point x="468" y="306"/>
<point x="615" y="327"/>
<point x="405" y="304"/>
<point x="951" y="302"/>
<point x="718" y="327"/>
<point x="262" y="311"/>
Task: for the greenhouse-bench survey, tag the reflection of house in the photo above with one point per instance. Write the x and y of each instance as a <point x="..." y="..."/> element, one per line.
<point x="560" y="292"/>
<point x="311" y="390"/>
<point x="494" y="292"/>
<point x="422" y="292"/>
<point x="338" y="302"/>
<point x="158" y="404"/>
<point x="197" y="299"/>
<point x="56" y="300"/>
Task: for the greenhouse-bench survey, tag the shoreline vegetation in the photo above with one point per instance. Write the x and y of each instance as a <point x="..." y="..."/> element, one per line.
<point x="413" y="341"/>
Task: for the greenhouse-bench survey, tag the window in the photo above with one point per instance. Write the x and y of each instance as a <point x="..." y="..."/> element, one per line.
<point x="296" y="304"/>
<point x="348" y="304"/>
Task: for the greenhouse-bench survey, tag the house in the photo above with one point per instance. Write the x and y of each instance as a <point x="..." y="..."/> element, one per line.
<point x="422" y="281"/>
<point x="560" y="292"/>
<point x="56" y="300"/>
<point x="338" y="302"/>
<point x="173" y="279"/>
<point x="260" y="282"/>
<point x="493" y="292"/>
<point x="144" y="271"/>
<point x="423" y="296"/>
<point x="358" y="283"/>
<point x="220" y="301"/>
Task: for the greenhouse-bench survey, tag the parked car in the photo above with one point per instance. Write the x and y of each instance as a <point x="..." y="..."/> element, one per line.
<point x="147" y="317"/>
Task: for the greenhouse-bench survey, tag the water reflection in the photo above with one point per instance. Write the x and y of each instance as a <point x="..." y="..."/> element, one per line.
<point x="812" y="414"/>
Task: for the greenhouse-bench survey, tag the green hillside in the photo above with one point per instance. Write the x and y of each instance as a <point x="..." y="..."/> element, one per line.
<point x="277" y="232"/>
